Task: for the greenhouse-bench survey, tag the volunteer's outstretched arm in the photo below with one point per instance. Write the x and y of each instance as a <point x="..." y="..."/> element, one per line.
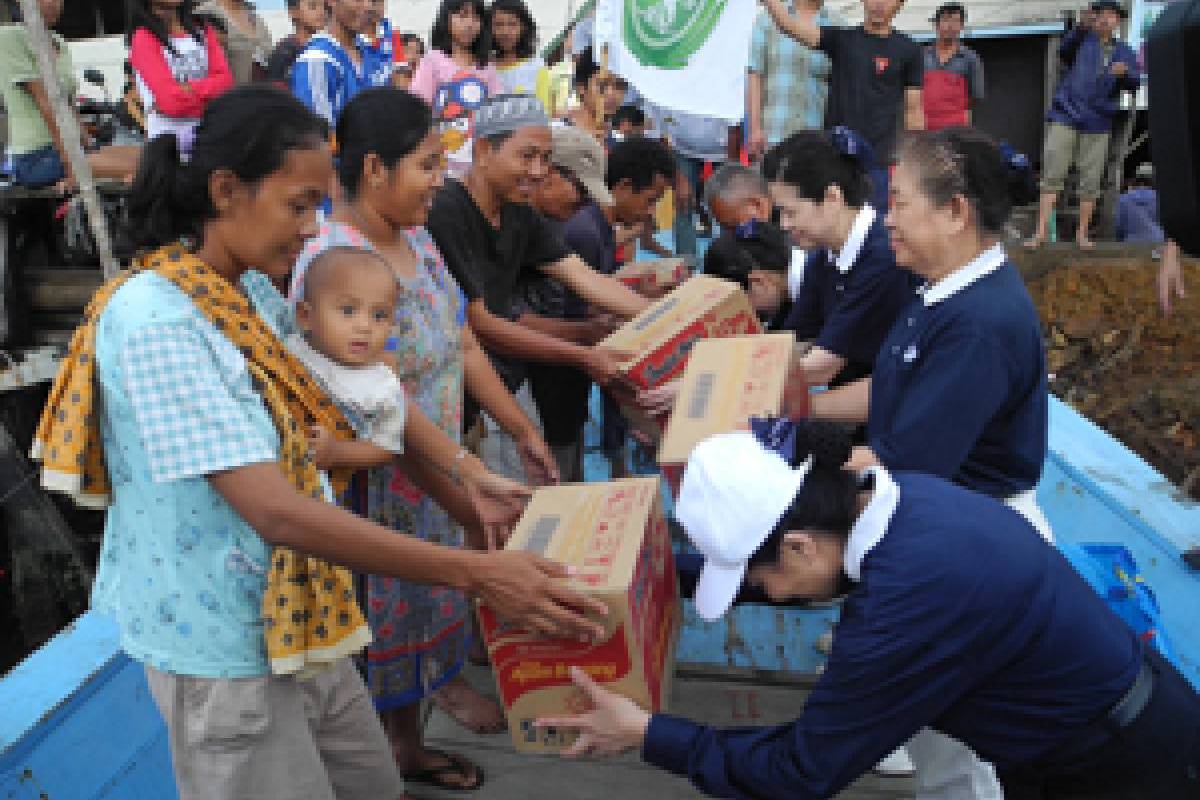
<point x="880" y="686"/>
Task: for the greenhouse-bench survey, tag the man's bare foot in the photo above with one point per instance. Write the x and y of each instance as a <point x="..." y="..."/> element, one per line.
<point x="1085" y="244"/>
<point x="469" y="708"/>
<point x="1035" y="242"/>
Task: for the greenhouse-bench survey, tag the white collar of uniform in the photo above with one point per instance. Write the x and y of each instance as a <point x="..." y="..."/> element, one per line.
<point x="985" y="263"/>
<point x="872" y="523"/>
<point x="856" y="239"/>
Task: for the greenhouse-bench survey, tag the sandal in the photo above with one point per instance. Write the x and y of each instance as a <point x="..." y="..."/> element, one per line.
<point x="456" y="767"/>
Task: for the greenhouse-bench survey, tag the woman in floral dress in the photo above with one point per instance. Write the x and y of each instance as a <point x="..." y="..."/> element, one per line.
<point x="390" y="166"/>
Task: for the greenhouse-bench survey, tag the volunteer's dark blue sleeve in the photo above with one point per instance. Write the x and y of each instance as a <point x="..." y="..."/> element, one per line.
<point x="959" y="386"/>
<point x="865" y="311"/>
<point x="805" y="317"/>
<point x="891" y="673"/>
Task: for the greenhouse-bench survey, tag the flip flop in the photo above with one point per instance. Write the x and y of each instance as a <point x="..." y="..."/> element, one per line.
<point x="437" y="776"/>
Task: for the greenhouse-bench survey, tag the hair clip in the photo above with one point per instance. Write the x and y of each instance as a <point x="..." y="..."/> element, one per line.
<point x="845" y="141"/>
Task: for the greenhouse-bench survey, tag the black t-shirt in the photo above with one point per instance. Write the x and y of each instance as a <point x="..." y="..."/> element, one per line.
<point x="490" y="263"/>
<point x="866" y="87"/>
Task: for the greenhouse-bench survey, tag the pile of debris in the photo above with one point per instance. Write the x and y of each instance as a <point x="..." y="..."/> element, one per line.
<point x="1114" y="357"/>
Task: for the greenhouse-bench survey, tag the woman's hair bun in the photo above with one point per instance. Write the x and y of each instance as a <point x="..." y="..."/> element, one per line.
<point x="826" y="442"/>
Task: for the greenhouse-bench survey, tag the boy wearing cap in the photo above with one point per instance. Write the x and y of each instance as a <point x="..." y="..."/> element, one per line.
<point x="956" y="615"/>
<point x="493" y="240"/>
<point x="953" y="72"/>
<point x="1097" y="68"/>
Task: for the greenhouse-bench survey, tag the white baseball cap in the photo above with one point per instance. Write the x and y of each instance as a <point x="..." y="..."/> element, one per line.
<point x="733" y="493"/>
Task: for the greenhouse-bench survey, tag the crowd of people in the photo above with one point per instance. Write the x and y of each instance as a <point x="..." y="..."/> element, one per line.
<point x="367" y="316"/>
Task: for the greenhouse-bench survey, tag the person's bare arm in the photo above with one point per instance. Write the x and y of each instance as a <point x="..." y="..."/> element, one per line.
<point x="486" y="386"/>
<point x="520" y="586"/>
<point x="37" y="90"/>
<point x="801" y="26"/>
<point x="580" y="331"/>
<point x="756" y="141"/>
<point x="509" y="338"/>
<point x="603" y="291"/>
<point x="914" y="112"/>
<point x="330" y="452"/>
<point x="820" y="366"/>
<point x="1170" y="276"/>
<point x="848" y="403"/>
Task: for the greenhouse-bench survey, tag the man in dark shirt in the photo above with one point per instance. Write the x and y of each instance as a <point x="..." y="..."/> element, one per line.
<point x="876" y="71"/>
<point x="751" y="251"/>
<point x="493" y="240"/>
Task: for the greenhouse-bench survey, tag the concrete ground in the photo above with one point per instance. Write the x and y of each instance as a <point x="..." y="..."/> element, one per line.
<point x="712" y="699"/>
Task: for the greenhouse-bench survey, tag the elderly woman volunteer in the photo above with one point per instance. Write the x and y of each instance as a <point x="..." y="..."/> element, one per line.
<point x="1028" y="666"/>
<point x="959" y="388"/>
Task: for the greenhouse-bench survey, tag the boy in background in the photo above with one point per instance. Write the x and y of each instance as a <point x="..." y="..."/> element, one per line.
<point x="308" y="17"/>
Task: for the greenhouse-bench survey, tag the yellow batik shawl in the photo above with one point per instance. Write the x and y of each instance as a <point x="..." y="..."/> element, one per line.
<point x="310" y="613"/>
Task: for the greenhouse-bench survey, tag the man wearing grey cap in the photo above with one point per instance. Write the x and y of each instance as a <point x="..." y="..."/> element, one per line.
<point x="493" y="240"/>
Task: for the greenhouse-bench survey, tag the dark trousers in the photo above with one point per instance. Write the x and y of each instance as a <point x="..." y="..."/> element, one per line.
<point x="1156" y="757"/>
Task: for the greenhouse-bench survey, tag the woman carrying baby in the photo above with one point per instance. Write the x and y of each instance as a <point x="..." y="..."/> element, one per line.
<point x="390" y="164"/>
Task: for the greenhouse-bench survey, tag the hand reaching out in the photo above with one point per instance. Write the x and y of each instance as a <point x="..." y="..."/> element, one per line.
<point x="614" y="725"/>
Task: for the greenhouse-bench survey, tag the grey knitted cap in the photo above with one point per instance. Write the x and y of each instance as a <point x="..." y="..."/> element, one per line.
<point x="509" y="112"/>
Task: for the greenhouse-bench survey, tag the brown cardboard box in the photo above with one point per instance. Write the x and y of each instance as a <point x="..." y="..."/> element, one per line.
<point x="726" y="382"/>
<point x="662" y="336"/>
<point x="653" y="275"/>
<point x="615" y="535"/>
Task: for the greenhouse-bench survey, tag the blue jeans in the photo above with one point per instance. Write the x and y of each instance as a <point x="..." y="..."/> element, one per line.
<point x="33" y="170"/>
<point x="692" y="171"/>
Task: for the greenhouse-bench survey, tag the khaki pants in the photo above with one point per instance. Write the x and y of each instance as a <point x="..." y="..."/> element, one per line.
<point x="276" y="737"/>
<point x="1066" y="146"/>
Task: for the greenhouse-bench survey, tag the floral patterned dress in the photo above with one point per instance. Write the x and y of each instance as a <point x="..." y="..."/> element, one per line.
<point x="420" y="633"/>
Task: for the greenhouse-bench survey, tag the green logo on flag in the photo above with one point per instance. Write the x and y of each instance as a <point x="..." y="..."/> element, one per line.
<point x="666" y="33"/>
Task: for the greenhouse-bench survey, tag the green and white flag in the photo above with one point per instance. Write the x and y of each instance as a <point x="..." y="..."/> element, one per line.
<point x="684" y="55"/>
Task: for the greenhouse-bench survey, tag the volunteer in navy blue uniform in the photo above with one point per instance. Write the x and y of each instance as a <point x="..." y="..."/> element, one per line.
<point x="852" y="290"/>
<point x="959" y="388"/>
<point x="957" y="615"/>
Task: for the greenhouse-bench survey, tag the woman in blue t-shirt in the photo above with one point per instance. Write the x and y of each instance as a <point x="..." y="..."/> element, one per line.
<point x="178" y="397"/>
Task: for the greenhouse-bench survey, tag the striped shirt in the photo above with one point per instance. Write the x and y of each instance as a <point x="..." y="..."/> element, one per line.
<point x="795" y="79"/>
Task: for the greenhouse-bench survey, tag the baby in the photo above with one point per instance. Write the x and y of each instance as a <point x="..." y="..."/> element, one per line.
<point x="344" y="311"/>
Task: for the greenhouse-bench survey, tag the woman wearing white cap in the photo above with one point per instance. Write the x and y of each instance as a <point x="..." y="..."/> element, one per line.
<point x="957" y="616"/>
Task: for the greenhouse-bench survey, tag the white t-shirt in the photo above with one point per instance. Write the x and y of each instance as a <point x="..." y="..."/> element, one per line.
<point x="372" y="397"/>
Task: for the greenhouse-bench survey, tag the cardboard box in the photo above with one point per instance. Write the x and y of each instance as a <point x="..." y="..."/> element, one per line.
<point x="726" y="382"/>
<point x="662" y="336"/>
<point x="615" y="534"/>
<point x="653" y="275"/>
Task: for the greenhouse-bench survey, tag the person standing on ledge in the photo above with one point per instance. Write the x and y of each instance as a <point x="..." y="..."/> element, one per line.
<point x="1097" y="67"/>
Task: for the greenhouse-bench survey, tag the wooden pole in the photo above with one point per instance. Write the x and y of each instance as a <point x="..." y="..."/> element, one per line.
<point x="68" y="130"/>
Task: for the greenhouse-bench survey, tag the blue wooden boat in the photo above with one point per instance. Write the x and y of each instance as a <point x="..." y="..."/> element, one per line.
<point x="77" y="721"/>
